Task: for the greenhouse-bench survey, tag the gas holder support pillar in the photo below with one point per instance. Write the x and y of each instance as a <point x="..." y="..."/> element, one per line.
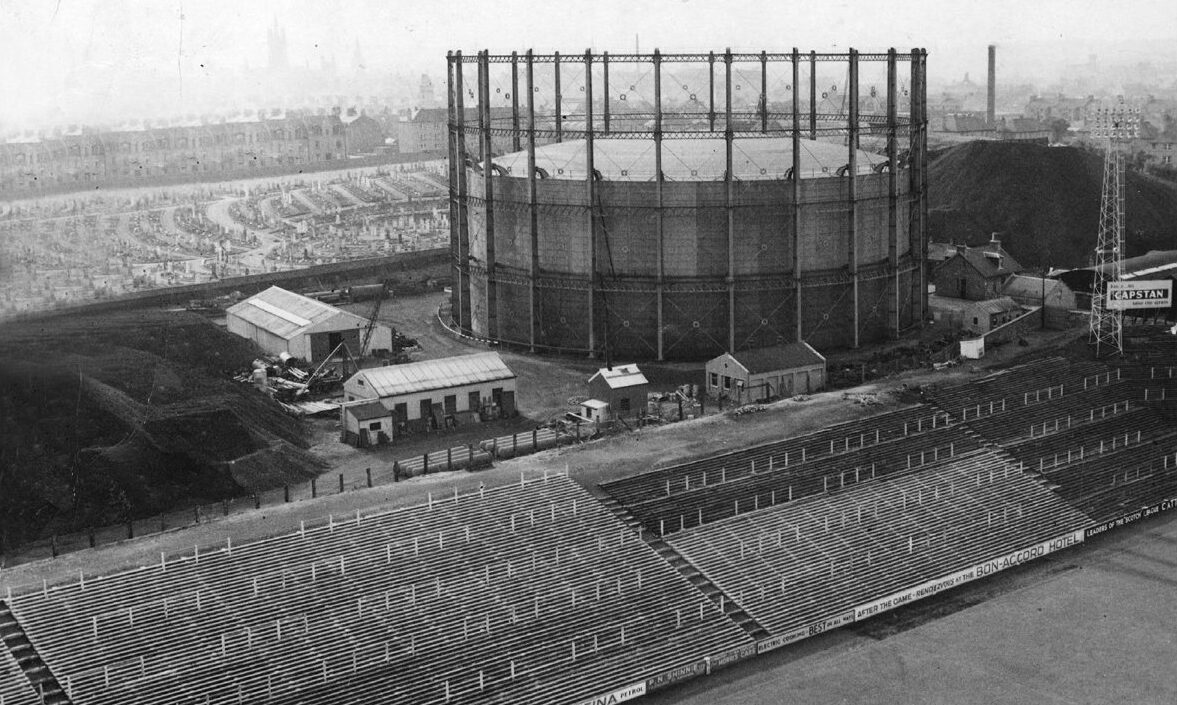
<point x="558" y="97"/>
<point x="917" y="202"/>
<point x="452" y="174"/>
<point x="795" y="132"/>
<point x="515" y="146"/>
<point x="605" y="90"/>
<point x="892" y="198"/>
<point x="464" y="316"/>
<point x="729" y="197"/>
<point x="591" y="196"/>
<point x="532" y="212"/>
<point x="711" y="91"/>
<point x="492" y="321"/>
<point x="763" y="92"/>
<point x="852" y="188"/>
<point x="812" y="94"/>
<point x="659" y="205"/>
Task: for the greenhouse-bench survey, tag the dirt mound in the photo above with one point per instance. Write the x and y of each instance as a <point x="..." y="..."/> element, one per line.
<point x="114" y="416"/>
<point x="274" y="466"/>
<point x="1045" y="201"/>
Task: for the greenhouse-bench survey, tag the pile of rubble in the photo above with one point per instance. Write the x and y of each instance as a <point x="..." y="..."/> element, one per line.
<point x="862" y="398"/>
<point x="287" y="382"/>
<point x="748" y="409"/>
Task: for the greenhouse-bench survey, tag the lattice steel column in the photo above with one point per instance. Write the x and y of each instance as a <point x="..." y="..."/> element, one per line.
<point x="917" y="202"/>
<point x="515" y="133"/>
<point x="605" y="89"/>
<point x="729" y="179"/>
<point x="532" y="214"/>
<point x="812" y="94"/>
<point x="559" y="110"/>
<point x="484" y="122"/>
<point x="852" y="187"/>
<point x="659" y="207"/>
<point x="892" y="195"/>
<point x="1107" y="325"/>
<point x="590" y="195"/>
<point x="795" y="133"/>
<point x="452" y="173"/>
<point x="465" y="322"/>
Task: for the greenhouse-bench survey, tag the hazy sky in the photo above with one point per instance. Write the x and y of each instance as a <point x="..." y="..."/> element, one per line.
<point x="58" y="55"/>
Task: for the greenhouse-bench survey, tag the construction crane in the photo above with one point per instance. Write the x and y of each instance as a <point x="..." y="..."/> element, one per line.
<point x="1115" y="125"/>
<point x="342" y="347"/>
<point x="385" y="286"/>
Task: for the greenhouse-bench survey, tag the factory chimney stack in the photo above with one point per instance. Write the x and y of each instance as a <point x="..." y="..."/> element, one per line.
<point x="991" y="105"/>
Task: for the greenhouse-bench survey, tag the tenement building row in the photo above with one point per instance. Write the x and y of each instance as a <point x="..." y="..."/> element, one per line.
<point x="35" y="163"/>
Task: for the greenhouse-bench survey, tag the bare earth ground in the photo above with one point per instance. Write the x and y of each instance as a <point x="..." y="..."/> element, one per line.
<point x="588" y="463"/>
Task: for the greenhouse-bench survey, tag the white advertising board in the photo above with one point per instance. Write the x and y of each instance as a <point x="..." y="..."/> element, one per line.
<point x="1140" y="294"/>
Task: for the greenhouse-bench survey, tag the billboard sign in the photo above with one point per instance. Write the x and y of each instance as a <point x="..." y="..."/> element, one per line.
<point x="1140" y="294"/>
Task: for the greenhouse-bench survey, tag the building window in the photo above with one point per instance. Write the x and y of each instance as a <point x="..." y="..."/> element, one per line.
<point x="623" y="403"/>
<point x="727" y="382"/>
<point x="374" y="426"/>
<point x="451" y="404"/>
<point x="401" y="412"/>
<point x="974" y="320"/>
<point x="714" y="379"/>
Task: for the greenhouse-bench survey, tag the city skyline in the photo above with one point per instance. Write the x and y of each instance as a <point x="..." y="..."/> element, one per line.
<point x="75" y="62"/>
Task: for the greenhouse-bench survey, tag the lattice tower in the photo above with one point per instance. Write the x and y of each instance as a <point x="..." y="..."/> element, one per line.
<point x="1106" y="325"/>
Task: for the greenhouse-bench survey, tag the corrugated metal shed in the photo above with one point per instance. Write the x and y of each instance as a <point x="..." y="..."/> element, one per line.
<point x="427" y="375"/>
<point x="1022" y="286"/>
<point x="781" y="357"/>
<point x="367" y="411"/>
<point x="621" y="376"/>
<point x="284" y="313"/>
<point x="998" y="305"/>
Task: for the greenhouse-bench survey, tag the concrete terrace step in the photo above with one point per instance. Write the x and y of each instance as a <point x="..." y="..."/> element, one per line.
<point x="25" y="654"/>
<point x="693" y="575"/>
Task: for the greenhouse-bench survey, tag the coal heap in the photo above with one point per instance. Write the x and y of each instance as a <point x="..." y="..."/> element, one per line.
<point x="1044" y="200"/>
